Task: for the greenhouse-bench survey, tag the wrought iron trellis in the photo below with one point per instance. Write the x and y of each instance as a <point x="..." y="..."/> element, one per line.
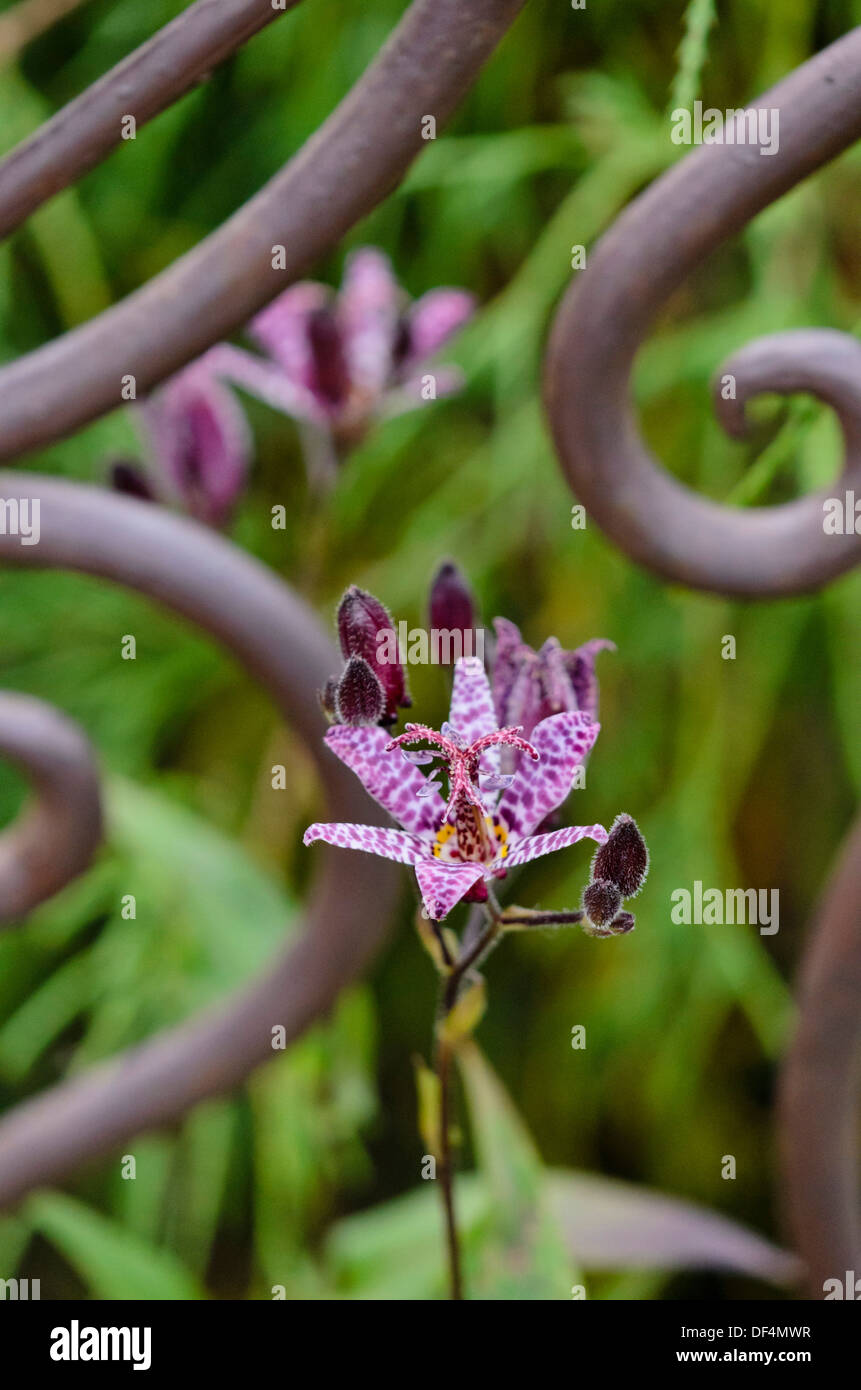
<point x="356" y="158"/>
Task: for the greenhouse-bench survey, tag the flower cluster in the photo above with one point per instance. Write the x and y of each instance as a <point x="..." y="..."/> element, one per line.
<point x="469" y="821"/>
<point x="338" y="361"/>
<point x="333" y="362"/>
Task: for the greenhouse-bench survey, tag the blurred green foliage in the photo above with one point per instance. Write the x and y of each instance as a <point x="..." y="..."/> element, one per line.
<point x="739" y="772"/>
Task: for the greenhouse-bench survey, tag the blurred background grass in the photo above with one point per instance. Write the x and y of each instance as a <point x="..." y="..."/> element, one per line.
<point x="741" y="773"/>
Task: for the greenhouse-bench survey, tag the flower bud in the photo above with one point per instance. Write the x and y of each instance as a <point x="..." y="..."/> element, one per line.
<point x="128" y="478"/>
<point x="451" y="604"/>
<point x="624" y="859"/>
<point x="601" y="902"/>
<point x="328" y="698"/>
<point x="366" y="630"/>
<point x="622" y="923"/>
<point x="359" y="698"/>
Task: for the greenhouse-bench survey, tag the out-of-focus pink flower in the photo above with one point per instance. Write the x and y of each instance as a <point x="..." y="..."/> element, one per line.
<point x="338" y="361"/>
<point x="199" y="447"/>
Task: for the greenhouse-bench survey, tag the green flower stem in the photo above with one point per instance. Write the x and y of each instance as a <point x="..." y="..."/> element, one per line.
<point x="445" y="1050"/>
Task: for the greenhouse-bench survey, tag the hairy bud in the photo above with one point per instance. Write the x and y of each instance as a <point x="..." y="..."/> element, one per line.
<point x="328" y="698"/>
<point x="624" y="859"/>
<point x="622" y="923"/>
<point x="451" y="603"/>
<point x="366" y="630"/>
<point x="359" y="698"/>
<point x="601" y="902"/>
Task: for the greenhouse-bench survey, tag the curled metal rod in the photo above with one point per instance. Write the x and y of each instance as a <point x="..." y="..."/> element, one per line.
<point x="152" y="78"/>
<point x="277" y="639"/>
<point x="654" y="245"/>
<point x="817" y="1114"/>
<point x="352" y="162"/>
<point x="55" y="838"/>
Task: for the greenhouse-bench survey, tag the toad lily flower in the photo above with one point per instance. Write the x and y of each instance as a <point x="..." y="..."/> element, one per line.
<point x="528" y="686"/>
<point x="199" y="447"/>
<point x="486" y="823"/>
<point x="337" y="361"/>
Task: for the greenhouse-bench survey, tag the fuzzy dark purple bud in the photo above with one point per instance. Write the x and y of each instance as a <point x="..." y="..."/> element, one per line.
<point x="359" y="698"/>
<point x="366" y="630"/>
<point x="622" y="923"/>
<point x="624" y="859"/>
<point x="452" y="608"/>
<point x="601" y="902"/>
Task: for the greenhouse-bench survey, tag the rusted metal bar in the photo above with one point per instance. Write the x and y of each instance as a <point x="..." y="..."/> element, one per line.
<point x="668" y="231"/>
<point x="201" y="576"/>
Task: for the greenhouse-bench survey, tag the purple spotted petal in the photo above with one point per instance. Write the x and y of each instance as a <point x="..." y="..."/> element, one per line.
<point x="267" y="381"/>
<point x="471" y="710"/>
<point x="563" y="741"/>
<point x="556" y="687"/>
<point x="443" y="885"/>
<point x="581" y="669"/>
<point x="396" y="785"/>
<point x="435" y="318"/>
<point x="201" y="442"/>
<point x="534" y="846"/>
<point x="399" y="845"/>
<point x="368" y="310"/>
<point x="281" y="330"/>
<point x="514" y="662"/>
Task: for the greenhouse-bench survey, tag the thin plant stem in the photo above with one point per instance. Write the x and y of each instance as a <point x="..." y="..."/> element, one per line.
<point x="446" y="1175"/>
<point x="476" y="945"/>
<point x="444" y="1052"/>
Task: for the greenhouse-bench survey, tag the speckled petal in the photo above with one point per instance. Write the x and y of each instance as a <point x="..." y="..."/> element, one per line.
<point x="563" y="741"/>
<point x="581" y="669"/>
<point x="534" y="846"/>
<point x="471" y="712"/>
<point x="389" y="778"/>
<point x="373" y="839"/>
<point x="443" y="885"/>
<point x="509" y="671"/>
<point x="556" y="688"/>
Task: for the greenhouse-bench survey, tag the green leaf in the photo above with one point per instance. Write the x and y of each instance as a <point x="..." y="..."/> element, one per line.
<point x="461" y="1021"/>
<point x="524" y="1256"/>
<point x="114" y="1263"/>
<point x="396" y="1250"/>
<point x="616" y="1225"/>
<point x="428" y="1096"/>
